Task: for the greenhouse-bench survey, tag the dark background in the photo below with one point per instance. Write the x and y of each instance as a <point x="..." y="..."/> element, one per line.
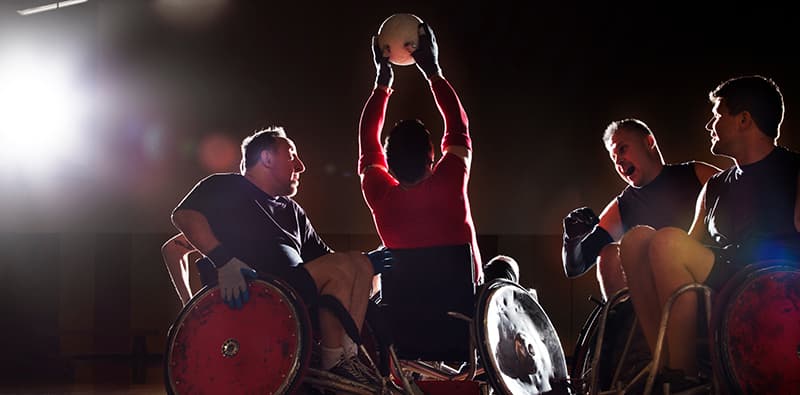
<point x="175" y="88"/>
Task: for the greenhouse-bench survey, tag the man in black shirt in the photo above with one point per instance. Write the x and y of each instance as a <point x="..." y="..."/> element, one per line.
<point x="657" y="195"/>
<point x="752" y="203"/>
<point x="247" y="223"/>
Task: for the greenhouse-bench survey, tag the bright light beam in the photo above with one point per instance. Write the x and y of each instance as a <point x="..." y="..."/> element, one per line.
<point x="42" y="111"/>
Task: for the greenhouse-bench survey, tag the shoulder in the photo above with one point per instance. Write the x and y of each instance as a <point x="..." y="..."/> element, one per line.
<point x="704" y="171"/>
<point x="788" y="154"/>
<point x="222" y="178"/>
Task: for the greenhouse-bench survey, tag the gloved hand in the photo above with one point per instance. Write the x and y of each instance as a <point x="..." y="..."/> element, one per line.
<point x="381" y="259"/>
<point x="427" y="52"/>
<point x="384" y="76"/>
<point x="579" y="222"/>
<point x="232" y="283"/>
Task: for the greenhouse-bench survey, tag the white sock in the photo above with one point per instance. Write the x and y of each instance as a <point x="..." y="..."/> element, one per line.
<point x="330" y="357"/>
<point x="350" y="347"/>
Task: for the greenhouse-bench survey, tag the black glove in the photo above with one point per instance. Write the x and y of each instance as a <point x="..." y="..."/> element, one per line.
<point x="381" y="259"/>
<point x="579" y="222"/>
<point x="383" y="69"/>
<point x="583" y="240"/>
<point x="427" y="53"/>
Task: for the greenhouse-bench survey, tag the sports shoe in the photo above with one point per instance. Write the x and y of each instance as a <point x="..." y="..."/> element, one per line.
<point x="352" y="369"/>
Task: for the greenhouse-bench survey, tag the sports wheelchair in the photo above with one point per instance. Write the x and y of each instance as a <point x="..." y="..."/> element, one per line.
<point x="749" y="338"/>
<point x="429" y="332"/>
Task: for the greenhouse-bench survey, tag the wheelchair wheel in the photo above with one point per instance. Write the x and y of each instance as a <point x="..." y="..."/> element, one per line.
<point x="262" y="348"/>
<point x="620" y="322"/>
<point x="518" y="346"/>
<point x="757" y="330"/>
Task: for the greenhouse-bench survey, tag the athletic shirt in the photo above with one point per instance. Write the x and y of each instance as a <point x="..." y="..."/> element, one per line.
<point x="434" y="212"/>
<point x="668" y="200"/>
<point x="754" y="202"/>
<point x="265" y="232"/>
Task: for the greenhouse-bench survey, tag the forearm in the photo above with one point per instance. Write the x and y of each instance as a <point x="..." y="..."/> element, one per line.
<point x="370" y="126"/>
<point x="580" y="254"/>
<point x="175" y="253"/>
<point x="456" y="124"/>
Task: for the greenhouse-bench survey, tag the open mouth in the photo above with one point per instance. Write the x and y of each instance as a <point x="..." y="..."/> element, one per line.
<point x="629" y="171"/>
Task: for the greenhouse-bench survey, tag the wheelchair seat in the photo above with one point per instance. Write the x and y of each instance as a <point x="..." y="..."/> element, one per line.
<point x="418" y="291"/>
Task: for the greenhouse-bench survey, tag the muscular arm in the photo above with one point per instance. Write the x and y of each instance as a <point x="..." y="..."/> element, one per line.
<point x="456" y="138"/>
<point x="704" y="171"/>
<point x="698" y="230"/>
<point x="372" y="119"/>
<point x="195" y="227"/>
<point x="611" y="221"/>
<point x="177" y="253"/>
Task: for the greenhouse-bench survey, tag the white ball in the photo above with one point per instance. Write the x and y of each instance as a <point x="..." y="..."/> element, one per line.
<point x="395" y="33"/>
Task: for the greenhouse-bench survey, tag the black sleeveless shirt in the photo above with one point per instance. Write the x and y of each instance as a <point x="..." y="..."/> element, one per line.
<point x="668" y="200"/>
<point x="754" y="202"/>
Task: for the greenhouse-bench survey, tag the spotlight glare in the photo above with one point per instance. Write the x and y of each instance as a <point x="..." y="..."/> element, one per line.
<point x="42" y="111"/>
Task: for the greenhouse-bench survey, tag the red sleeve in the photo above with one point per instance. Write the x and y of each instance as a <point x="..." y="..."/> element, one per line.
<point x="372" y="118"/>
<point x="456" y="124"/>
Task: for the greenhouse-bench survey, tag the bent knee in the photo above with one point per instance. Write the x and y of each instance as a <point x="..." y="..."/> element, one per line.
<point x="360" y="264"/>
<point x="634" y="244"/>
<point x="637" y="235"/>
<point x="666" y="243"/>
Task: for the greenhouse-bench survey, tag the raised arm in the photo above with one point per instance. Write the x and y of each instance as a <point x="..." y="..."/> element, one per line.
<point x="370" y="153"/>
<point x="585" y="235"/>
<point x="456" y="138"/>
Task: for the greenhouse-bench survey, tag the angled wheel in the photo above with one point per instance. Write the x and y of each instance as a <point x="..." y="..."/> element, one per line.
<point x="757" y="330"/>
<point x="516" y="341"/>
<point x="262" y="348"/>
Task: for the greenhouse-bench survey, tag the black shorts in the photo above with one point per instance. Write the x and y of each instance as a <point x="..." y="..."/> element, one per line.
<point x="726" y="264"/>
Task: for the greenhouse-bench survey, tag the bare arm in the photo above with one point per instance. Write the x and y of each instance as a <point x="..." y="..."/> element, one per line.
<point x="177" y="253"/>
<point x="195" y="227"/>
<point x="704" y="171"/>
<point x="698" y="230"/>
<point x="611" y="221"/>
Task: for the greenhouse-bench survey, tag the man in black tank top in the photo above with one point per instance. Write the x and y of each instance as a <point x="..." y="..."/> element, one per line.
<point x="657" y="195"/>
<point x="752" y="203"/>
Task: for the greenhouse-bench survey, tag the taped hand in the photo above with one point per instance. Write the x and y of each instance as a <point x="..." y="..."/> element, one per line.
<point x="381" y="259"/>
<point x="384" y="75"/>
<point x="579" y="222"/>
<point x="427" y="52"/>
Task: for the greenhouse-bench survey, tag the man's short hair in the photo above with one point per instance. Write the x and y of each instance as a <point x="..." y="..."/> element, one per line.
<point x="760" y="96"/>
<point x="259" y="141"/>
<point x="631" y="124"/>
<point x="409" y="151"/>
